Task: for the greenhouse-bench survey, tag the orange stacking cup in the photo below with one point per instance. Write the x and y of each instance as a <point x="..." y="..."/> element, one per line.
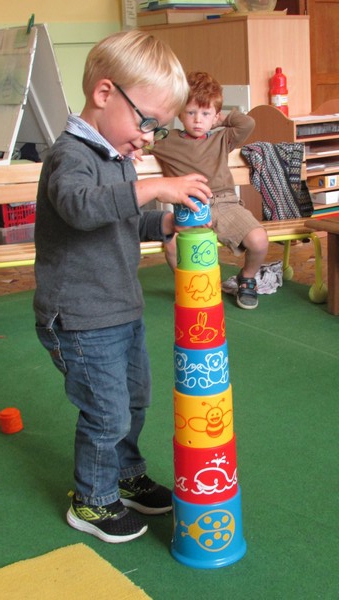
<point x="195" y="289"/>
<point x="199" y="327"/>
<point x="10" y="420"/>
<point x="203" y="421"/>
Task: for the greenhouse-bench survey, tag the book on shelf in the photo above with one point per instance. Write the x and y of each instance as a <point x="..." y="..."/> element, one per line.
<point x="158" y="4"/>
<point x="332" y="164"/>
<point x="326" y="197"/>
<point x="180" y="15"/>
<point x="315" y="166"/>
<point x="313" y="129"/>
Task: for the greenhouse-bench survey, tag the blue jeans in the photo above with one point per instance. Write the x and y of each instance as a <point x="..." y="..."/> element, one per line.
<point x="107" y="377"/>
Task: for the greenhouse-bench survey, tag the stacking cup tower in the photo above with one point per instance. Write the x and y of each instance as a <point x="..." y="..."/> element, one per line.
<point x="206" y="498"/>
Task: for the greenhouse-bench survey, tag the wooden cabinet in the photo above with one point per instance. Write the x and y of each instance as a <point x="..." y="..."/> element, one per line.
<point x="319" y="132"/>
<point x="245" y="50"/>
<point x="324" y="18"/>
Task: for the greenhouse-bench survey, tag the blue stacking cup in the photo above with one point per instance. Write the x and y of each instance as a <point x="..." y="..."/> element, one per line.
<point x="201" y="372"/>
<point x="208" y="536"/>
<point x="185" y="217"/>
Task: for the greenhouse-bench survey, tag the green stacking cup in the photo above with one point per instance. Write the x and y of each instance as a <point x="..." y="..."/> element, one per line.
<point x="197" y="249"/>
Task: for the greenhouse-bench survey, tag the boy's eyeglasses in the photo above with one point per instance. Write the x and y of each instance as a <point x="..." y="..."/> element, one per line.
<point x="148" y="124"/>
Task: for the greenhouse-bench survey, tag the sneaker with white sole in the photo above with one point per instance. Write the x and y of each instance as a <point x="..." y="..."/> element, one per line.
<point x="145" y="496"/>
<point x="112" y="523"/>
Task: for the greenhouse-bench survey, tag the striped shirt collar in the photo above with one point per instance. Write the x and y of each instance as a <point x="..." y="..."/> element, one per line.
<point x="184" y="134"/>
<point x="80" y="128"/>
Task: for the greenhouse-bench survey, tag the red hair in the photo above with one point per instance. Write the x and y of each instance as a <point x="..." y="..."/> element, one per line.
<point x="204" y="90"/>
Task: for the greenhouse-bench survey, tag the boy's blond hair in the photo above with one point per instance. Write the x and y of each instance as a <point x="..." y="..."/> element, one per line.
<point x="134" y="58"/>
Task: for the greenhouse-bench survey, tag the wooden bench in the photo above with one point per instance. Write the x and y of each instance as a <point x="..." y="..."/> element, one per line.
<point x="18" y="183"/>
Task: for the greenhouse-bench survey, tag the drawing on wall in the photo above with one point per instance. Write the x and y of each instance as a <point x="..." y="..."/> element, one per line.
<point x="13" y="78"/>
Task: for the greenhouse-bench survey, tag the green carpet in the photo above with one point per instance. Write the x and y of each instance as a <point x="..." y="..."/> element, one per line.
<point x="284" y="371"/>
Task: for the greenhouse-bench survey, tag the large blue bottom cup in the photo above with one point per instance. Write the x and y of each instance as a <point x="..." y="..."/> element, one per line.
<point x="208" y="536"/>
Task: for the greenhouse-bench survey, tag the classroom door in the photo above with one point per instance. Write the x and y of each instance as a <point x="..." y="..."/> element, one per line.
<point x="324" y="19"/>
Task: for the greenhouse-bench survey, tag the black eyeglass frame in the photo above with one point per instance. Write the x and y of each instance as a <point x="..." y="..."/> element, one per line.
<point x="148" y="124"/>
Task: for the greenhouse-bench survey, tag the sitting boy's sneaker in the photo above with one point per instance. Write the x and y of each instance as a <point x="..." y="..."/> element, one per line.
<point x="112" y="523"/>
<point x="145" y="496"/>
<point x="247" y="295"/>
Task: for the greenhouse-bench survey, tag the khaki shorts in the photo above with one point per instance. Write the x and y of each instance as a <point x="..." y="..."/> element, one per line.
<point x="231" y="221"/>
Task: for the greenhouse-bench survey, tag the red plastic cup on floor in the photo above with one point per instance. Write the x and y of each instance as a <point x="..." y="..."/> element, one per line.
<point x="10" y="420"/>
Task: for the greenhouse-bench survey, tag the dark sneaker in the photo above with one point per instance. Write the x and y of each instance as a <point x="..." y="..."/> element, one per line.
<point x="112" y="523"/>
<point x="145" y="496"/>
<point x="247" y="296"/>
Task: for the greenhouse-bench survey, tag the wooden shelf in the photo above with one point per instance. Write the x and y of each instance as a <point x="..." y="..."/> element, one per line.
<point x="319" y="156"/>
<point x="318" y="207"/>
<point x="315" y="190"/>
<point x="317" y="138"/>
<point x="318" y="172"/>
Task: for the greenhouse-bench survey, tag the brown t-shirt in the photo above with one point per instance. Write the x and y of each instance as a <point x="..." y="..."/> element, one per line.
<point x="180" y="154"/>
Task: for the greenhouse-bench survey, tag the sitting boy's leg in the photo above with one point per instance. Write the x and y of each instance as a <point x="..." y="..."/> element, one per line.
<point x="256" y="246"/>
<point x="237" y="228"/>
<point x="170" y="250"/>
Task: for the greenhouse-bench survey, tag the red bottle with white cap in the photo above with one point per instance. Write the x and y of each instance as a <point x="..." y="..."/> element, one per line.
<point x="278" y="91"/>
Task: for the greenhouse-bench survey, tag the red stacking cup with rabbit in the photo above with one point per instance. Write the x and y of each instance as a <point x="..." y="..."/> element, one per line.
<point x="199" y="328"/>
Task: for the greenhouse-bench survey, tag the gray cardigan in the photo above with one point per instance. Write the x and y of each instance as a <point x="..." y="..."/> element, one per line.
<point x="87" y="235"/>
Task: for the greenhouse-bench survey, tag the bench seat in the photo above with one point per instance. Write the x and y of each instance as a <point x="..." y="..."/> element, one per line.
<point x="18" y="183"/>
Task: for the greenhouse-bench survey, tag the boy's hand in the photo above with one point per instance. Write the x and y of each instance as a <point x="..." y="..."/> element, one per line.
<point x="138" y="154"/>
<point x="169" y="226"/>
<point x="174" y="190"/>
<point x="221" y="120"/>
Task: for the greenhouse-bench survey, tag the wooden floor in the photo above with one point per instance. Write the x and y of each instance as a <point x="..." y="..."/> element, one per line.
<point x="302" y="260"/>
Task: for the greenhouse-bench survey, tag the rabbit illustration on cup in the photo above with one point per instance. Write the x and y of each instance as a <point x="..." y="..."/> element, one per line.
<point x="199" y="332"/>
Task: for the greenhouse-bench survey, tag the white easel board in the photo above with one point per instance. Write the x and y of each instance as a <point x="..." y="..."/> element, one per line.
<point x="33" y="107"/>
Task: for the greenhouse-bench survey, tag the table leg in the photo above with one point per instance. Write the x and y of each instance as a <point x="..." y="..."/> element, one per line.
<point x="333" y="273"/>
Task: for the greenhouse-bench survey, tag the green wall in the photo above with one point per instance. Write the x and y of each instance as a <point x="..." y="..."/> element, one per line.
<point x="71" y="44"/>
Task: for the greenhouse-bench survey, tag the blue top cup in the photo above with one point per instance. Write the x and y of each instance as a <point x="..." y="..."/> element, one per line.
<point x="184" y="217"/>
